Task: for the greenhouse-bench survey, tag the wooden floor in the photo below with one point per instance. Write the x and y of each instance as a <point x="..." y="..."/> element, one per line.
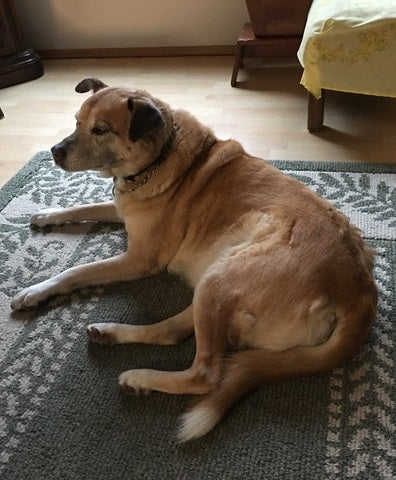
<point x="267" y="112"/>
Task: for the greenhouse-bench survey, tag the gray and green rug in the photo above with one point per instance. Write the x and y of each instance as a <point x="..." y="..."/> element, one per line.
<point x="62" y="415"/>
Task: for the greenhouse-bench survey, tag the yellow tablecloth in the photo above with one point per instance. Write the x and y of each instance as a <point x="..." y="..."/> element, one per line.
<point x="350" y="46"/>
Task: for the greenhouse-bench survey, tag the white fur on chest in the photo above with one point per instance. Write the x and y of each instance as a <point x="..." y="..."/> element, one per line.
<point x="141" y="225"/>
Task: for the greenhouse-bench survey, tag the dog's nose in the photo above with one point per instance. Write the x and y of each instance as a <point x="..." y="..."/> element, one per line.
<point x="59" y="153"/>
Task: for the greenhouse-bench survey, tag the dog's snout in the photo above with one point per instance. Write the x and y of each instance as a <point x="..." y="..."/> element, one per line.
<point x="59" y="153"/>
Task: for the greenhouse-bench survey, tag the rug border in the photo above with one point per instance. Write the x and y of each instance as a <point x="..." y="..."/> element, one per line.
<point x="7" y="192"/>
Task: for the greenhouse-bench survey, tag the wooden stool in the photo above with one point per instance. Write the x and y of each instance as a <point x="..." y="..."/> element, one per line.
<point x="269" y="46"/>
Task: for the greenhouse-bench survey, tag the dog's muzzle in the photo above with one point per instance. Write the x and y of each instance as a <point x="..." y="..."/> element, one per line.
<point x="59" y="154"/>
<point x="61" y="150"/>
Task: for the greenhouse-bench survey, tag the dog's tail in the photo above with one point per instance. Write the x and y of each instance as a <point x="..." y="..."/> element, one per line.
<point x="246" y="370"/>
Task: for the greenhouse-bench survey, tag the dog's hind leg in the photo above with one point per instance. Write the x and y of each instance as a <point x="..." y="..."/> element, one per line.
<point x="211" y="315"/>
<point x="96" y="212"/>
<point x="168" y="332"/>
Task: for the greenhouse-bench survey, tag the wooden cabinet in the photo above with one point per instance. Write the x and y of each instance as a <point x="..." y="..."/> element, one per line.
<point x="18" y="63"/>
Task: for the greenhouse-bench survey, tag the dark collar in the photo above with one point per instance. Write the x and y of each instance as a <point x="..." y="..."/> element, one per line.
<point x="161" y="157"/>
<point x="150" y="169"/>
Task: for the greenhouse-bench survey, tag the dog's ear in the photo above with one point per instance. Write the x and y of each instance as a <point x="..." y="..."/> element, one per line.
<point x="146" y="119"/>
<point x="88" y="84"/>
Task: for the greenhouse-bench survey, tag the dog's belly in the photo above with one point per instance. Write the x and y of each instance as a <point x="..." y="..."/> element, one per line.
<point x="194" y="266"/>
<point x="192" y="261"/>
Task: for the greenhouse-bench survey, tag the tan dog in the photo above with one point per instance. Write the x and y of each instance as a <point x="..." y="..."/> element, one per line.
<point x="283" y="283"/>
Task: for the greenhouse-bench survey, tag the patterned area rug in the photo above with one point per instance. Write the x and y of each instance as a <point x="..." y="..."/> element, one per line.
<point x="62" y="415"/>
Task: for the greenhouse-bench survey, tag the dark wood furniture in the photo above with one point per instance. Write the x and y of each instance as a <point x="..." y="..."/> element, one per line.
<point x="315" y="113"/>
<point x="275" y="29"/>
<point x="18" y="63"/>
<point x="269" y="46"/>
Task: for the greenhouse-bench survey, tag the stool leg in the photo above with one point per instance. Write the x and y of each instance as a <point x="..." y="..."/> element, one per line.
<point x="239" y="54"/>
<point x="315" y="113"/>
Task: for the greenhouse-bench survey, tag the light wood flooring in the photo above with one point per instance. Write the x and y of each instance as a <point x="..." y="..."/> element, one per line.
<point x="267" y="112"/>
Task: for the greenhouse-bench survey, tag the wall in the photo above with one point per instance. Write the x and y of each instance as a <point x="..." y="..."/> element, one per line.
<point x="69" y="24"/>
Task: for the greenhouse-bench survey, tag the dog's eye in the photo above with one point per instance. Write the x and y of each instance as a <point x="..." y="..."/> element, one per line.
<point x="98" y="131"/>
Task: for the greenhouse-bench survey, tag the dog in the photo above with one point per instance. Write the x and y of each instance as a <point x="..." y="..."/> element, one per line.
<point x="283" y="283"/>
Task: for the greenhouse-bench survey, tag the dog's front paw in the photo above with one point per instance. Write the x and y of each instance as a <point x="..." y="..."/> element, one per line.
<point x="49" y="216"/>
<point x="29" y="297"/>
<point x="102" y="333"/>
<point x="134" y="382"/>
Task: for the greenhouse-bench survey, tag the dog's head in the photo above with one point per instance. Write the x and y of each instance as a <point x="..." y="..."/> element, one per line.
<point x="118" y="131"/>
